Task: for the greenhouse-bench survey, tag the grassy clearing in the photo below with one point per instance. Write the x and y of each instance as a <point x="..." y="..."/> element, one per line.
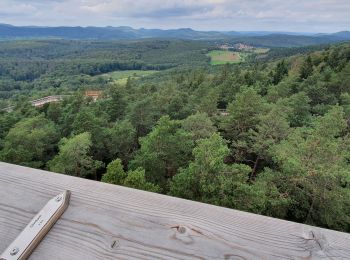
<point x="222" y="57"/>
<point x="261" y="50"/>
<point x="219" y="57"/>
<point x="121" y="77"/>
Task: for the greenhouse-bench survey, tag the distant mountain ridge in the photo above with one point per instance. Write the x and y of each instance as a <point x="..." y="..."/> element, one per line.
<point x="128" y="33"/>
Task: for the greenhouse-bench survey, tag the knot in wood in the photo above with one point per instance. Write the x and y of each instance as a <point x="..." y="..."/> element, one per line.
<point x="316" y="243"/>
<point x="182" y="234"/>
<point x="181" y="230"/>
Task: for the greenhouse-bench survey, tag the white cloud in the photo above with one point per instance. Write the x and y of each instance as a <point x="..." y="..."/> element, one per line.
<point x="298" y="15"/>
<point x="19" y="8"/>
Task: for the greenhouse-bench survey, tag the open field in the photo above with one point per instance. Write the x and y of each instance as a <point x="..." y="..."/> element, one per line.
<point x="121" y="77"/>
<point x="218" y="57"/>
<point x="261" y="50"/>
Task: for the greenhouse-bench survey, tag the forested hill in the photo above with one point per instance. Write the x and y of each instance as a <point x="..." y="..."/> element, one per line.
<point x="283" y="40"/>
<point x="63" y="65"/>
<point x="282" y="148"/>
<point x="269" y="39"/>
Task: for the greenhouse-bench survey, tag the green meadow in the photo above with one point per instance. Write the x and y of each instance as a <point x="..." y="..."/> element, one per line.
<point x="219" y="57"/>
<point x="122" y="76"/>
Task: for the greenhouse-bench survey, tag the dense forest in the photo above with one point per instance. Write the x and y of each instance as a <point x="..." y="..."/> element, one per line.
<point x="281" y="147"/>
<point x="57" y="66"/>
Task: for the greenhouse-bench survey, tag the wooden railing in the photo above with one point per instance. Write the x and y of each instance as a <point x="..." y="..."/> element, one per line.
<point x="106" y="221"/>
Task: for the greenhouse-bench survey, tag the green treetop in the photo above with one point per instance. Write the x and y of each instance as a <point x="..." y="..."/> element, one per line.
<point x="209" y="179"/>
<point x="73" y="157"/>
<point x="163" y="150"/>
<point x="30" y="142"/>
<point x="134" y="179"/>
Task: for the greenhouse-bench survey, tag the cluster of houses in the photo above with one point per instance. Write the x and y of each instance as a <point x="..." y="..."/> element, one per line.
<point x="235" y="47"/>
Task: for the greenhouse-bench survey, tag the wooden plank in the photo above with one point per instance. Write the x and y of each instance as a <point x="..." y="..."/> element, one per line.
<point x="107" y="221"/>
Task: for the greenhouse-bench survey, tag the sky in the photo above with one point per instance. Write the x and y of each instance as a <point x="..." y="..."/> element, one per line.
<point x="219" y="15"/>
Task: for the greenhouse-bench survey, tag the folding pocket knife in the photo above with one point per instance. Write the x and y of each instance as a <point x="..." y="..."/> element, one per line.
<point x="34" y="232"/>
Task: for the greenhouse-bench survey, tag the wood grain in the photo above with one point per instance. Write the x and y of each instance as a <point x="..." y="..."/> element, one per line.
<point x="106" y="221"/>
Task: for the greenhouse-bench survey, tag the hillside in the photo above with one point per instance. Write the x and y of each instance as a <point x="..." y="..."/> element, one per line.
<point x="62" y="65"/>
<point x="282" y="40"/>
<point x="264" y="38"/>
<point x="37" y="68"/>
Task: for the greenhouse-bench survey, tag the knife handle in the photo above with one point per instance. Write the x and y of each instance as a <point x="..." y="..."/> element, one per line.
<point x="39" y="226"/>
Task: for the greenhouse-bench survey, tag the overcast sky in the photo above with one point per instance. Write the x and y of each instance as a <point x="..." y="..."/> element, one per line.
<point x="235" y="15"/>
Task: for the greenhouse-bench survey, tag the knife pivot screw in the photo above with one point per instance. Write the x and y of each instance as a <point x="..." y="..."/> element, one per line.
<point x="14" y="251"/>
<point x="58" y="198"/>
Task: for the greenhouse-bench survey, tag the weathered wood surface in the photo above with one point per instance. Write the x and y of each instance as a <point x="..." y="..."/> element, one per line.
<point x="111" y="222"/>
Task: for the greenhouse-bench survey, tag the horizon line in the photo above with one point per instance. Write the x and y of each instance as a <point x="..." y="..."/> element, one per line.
<point x="178" y="28"/>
